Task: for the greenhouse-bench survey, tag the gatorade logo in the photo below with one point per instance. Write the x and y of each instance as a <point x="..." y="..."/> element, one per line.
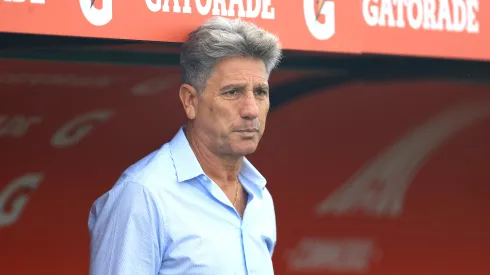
<point x="313" y="10"/>
<point x="95" y="16"/>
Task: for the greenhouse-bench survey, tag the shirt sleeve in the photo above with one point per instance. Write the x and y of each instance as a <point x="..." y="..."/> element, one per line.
<point x="125" y="229"/>
<point x="273" y="226"/>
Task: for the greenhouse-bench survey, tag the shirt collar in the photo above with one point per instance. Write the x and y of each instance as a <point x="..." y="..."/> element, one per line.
<point x="185" y="161"/>
<point x="187" y="167"/>
<point x="249" y="172"/>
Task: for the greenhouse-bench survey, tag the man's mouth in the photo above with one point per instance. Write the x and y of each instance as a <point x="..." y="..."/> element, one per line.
<point x="253" y="130"/>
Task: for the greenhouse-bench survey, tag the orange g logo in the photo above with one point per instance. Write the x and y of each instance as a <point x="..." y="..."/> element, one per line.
<point x="95" y="16"/>
<point x="313" y="9"/>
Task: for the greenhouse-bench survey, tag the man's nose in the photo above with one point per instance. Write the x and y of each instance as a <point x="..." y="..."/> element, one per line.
<point x="250" y="108"/>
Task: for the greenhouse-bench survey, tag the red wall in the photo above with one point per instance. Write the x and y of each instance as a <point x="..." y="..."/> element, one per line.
<point x="368" y="178"/>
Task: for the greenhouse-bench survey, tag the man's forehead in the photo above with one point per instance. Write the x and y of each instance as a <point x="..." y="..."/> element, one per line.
<point x="244" y="75"/>
<point x="244" y="80"/>
<point x="232" y="67"/>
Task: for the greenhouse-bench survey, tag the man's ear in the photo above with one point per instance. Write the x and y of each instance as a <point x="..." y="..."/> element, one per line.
<point x="188" y="96"/>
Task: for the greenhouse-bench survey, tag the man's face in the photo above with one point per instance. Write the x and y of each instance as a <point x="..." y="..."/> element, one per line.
<point x="232" y="110"/>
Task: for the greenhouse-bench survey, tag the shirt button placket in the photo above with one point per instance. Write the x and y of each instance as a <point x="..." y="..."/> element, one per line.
<point x="244" y="250"/>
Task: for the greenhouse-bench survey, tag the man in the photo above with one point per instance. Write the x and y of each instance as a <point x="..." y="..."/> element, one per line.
<point x="196" y="205"/>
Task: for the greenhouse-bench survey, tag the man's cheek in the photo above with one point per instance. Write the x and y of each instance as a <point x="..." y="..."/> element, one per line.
<point x="264" y="114"/>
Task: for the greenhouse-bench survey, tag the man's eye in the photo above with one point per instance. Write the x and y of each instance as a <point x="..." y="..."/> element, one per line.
<point x="261" y="92"/>
<point x="232" y="92"/>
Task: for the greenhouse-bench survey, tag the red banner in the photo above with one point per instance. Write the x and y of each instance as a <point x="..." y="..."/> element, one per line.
<point x="371" y="178"/>
<point x="436" y="28"/>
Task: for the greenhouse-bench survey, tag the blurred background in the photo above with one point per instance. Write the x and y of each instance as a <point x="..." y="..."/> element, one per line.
<point x="376" y="149"/>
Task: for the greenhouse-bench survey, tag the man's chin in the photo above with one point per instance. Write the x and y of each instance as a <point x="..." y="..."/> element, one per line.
<point x="245" y="150"/>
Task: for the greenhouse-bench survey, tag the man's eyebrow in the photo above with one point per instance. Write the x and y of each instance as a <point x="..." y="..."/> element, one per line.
<point x="262" y="86"/>
<point x="233" y="86"/>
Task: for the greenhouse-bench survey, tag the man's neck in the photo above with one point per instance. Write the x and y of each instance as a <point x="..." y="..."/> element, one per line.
<point x="223" y="170"/>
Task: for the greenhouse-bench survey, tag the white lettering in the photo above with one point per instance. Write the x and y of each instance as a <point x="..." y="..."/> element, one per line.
<point x="13" y="198"/>
<point x="35" y="79"/>
<point x="231" y="8"/>
<point x="153" y="86"/>
<point x="430" y="16"/>
<point x="472" y="8"/>
<point x="23" y="1"/>
<point x="166" y="8"/>
<point x="386" y="12"/>
<point x="75" y="130"/>
<point x="415" y="15"/>
<point x="460" y="16"/>
<point x="445" y="15"/>
<point x="239" y="4"/>
<point x="219" y="8"/>
<point x="154" y="6"/>
<point x="17" y="126"/>
<point x="268" y="12"/>
<point x="187" y="7"/>
<point x="252" y="11"/>
<point x="434" y="15"/>
<point x="400" y="23"/>
<point x="204" y="10"/>
<point x="348" y="255"/>
<point x="379" y="188"/>
<point x="370" y="12"/>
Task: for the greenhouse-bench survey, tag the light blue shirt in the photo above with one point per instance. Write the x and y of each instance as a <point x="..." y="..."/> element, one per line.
<point x="165" y="216"/>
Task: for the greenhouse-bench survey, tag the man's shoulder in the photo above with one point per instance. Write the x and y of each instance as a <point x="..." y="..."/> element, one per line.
<point x="153" y="171"/>
<point x="267" y="198"/>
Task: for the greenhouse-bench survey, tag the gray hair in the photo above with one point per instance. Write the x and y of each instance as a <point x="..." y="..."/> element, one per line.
<point x="219" y="38"/>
